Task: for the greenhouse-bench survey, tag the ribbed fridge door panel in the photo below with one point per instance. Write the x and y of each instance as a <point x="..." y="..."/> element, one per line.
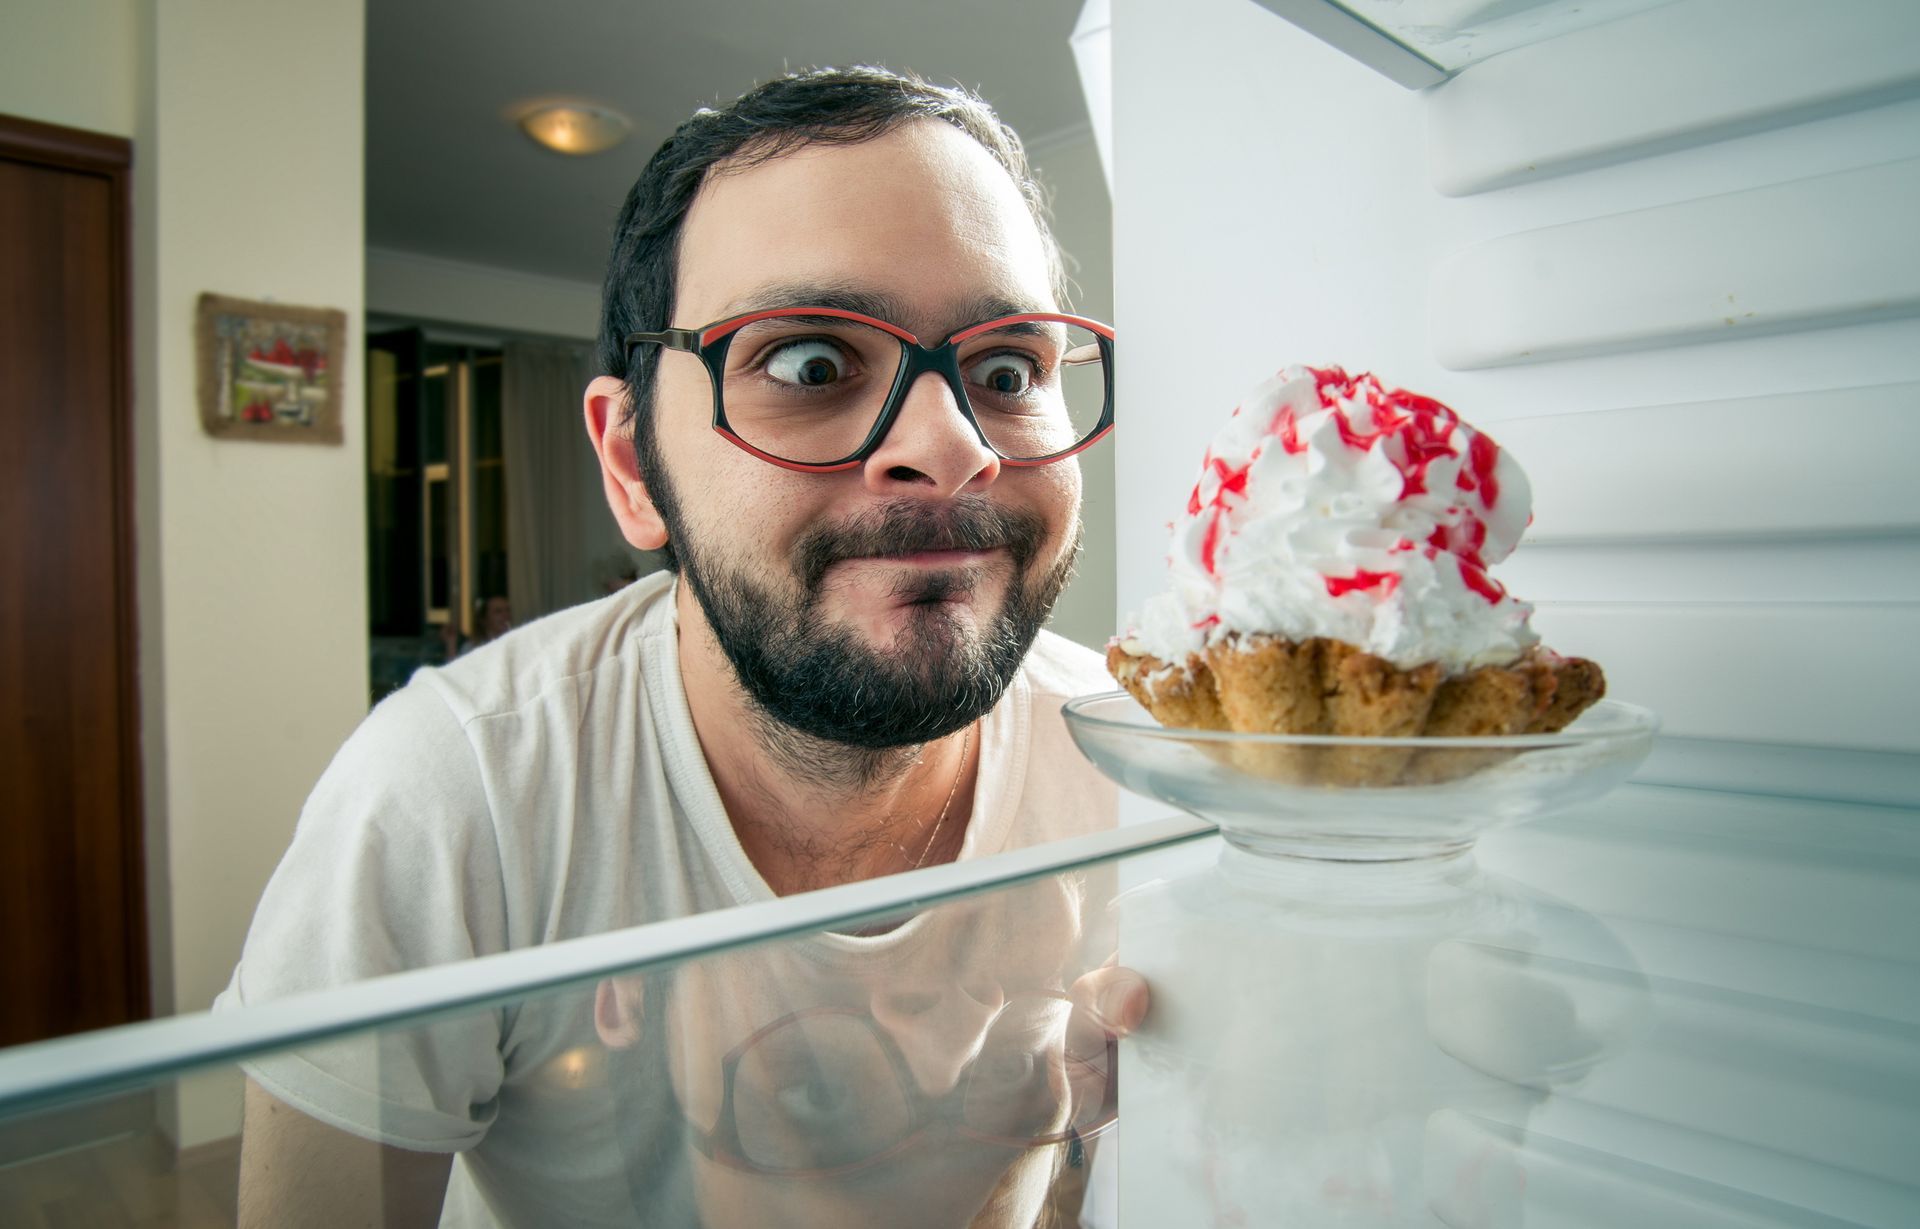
<point x="1638" y="857"/>
<point x="1692" y="1182"/>
<point x="1811" y="674"/>
<point x="1812" y="253"/>
<point x="1678" y="76"/>
<point x="1721" y="467"/>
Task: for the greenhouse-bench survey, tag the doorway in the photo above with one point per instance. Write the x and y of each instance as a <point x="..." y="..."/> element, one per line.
<point x="72" y="886"/>
<point x="436" y="500"/>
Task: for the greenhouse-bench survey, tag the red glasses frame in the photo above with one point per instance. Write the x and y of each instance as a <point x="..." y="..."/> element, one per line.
<point x="710" y="344"/>
<point x="722" y="1143"/>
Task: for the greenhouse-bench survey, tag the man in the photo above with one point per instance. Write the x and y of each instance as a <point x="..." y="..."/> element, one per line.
<point x="846" y="679"/>
<point x="494" y="619"/>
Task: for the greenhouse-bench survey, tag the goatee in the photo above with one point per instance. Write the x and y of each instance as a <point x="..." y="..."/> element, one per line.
<point x="938" y="675"/>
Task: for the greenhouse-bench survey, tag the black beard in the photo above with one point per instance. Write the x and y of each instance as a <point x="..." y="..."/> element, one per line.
<point x="822" y="681"/>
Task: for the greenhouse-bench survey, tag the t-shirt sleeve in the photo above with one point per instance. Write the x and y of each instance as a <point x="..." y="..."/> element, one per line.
<point x="394" y="865"/>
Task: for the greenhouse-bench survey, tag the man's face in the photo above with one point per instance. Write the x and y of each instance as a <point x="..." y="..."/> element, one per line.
<point x="496" y="618"/>
<point x="833" y="629"/>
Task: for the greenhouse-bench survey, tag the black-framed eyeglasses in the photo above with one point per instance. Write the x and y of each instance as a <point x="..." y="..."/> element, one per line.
<point x="827" y="1091"/>
<point x="816" y="389"/>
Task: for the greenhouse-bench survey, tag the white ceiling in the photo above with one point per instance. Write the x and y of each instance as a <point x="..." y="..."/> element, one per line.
<point x="450" y="175"/>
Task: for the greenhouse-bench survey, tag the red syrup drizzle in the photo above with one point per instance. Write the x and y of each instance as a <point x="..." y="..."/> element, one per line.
<point x="1482" y="456"/>
<point x="1425" y="434"/>
<point x="1481" y="583"/>
<point x="1286" y="430"/>
<point x="1232" y="481"/>
<point x="1424" y="429"/>
<point x="1362" y="579"/>
<point x="1210" y="543"/>
<point x="1466" y="538"/>
<point x="1229" y="481"/>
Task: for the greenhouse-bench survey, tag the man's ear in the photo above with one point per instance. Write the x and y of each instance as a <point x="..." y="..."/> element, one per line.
<point x="617" y="1004"/>
<point x="640" y="522"/>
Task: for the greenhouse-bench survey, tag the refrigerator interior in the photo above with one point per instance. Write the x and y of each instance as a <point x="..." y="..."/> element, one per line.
<point x="1668" y="261"/>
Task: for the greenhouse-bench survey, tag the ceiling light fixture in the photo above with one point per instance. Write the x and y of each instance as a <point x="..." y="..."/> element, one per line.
<point x="576" y="128"/>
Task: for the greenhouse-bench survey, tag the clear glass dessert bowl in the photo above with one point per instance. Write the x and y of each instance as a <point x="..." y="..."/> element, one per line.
<point x="1360" y="799"/>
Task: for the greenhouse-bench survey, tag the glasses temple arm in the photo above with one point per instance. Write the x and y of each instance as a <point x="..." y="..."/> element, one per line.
<point x="672" y="339"/>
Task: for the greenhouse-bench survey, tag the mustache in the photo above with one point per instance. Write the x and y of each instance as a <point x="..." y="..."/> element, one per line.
<point x="907" y="526"/>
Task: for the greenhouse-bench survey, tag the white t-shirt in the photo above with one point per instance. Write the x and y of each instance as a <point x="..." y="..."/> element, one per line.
<point x="550" y="785"/>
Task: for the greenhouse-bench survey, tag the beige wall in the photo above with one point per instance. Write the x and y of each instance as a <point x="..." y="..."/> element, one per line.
<point x="71" y="62"/>
<point x="250" y="165"/>
<point x="416" y="287"/>
<point x="247" y="128"/>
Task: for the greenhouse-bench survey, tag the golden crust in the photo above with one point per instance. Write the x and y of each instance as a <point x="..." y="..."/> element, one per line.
<point x="1180" y="698"/>
<point x="1577" y="683"/>
<point x="1269" y="684"/>
<point x="1272" y="685"/>
<point x="1368" y="697"/>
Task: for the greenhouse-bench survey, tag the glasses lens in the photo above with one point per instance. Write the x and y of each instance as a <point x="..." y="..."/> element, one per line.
<point x="808" y="388"/>
<point x="1028" y="1084"/>
<point x="817" y="1093"/>
<point x="1037" y="387"/>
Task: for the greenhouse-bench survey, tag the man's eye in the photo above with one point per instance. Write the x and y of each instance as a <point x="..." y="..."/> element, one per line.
<point x="809" y="364"/>
<point x="1008" y="375"/>
<point x="999" y="1072"/>
<point x="813" y="1100"/>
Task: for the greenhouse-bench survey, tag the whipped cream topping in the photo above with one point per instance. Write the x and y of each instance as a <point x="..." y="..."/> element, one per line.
<point x="1332" y="505"/>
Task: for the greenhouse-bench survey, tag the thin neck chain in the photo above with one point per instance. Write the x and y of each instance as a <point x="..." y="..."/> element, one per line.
<point x="966" y="741"/>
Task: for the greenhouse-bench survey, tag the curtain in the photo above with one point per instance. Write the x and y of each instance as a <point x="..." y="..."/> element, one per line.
<point x="563" y="546"/>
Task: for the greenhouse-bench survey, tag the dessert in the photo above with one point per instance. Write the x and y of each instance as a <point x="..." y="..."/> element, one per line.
<point x="1330" y="576"/>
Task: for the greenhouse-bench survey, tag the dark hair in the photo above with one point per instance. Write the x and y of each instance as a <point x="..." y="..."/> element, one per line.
<point x="830" y="106"/>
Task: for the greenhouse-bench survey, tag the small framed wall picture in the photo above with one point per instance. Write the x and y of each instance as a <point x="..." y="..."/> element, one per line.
<point x="269" y="371"/>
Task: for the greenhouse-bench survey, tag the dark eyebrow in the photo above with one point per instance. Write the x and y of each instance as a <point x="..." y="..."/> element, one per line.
<point x="993" y="306"/>
<point x="879" y="305"/>
<point x="1028" y="328"/>
<point x="815" y="294"/>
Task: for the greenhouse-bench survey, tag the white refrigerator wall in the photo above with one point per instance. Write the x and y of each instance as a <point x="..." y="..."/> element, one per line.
<point x="1670" y="263"/>
<point x="1707" y="358"/>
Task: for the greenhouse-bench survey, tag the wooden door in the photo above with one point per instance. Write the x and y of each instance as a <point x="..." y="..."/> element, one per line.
<point x="72" y="901"/>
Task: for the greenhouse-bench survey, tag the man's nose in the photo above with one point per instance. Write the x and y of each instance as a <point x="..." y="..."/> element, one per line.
<point x="939" y="1030"/>
<point x="931" y="447"/>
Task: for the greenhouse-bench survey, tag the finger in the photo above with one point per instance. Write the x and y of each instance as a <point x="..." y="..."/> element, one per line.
<point x="1111" y="1001"/>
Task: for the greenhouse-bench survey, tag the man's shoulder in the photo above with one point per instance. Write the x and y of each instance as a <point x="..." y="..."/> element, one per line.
<point x="1057" y="666"/>
<point x="526" y="666"/>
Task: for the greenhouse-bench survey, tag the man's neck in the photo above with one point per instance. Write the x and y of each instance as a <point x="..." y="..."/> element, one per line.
<point x="812" y="813"/>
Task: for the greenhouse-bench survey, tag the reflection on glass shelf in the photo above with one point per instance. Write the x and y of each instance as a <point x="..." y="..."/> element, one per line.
<point x="107" y="1163"/>
<point x="1672" y="1008"/>
<point x="1351" y="1018"/>
<point x="1354" y="798"/>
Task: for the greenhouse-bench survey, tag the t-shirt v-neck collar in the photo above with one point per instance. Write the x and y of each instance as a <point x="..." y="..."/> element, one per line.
<point x="1003" y="739"/>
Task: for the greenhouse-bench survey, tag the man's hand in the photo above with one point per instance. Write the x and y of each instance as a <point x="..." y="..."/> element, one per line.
<point x="1111" y="1001"/>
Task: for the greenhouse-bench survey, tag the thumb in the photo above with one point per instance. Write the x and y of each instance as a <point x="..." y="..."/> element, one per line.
<point x="1111" y="1001"/>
